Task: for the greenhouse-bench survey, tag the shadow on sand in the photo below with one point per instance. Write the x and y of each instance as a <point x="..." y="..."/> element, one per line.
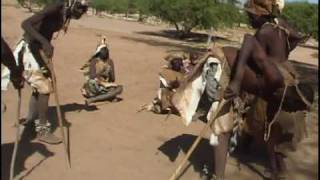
<point x="25" y="150"/>
<point x="193" y="37"/>
<point x="203" y="155"/>
<point x="29" y="134"/>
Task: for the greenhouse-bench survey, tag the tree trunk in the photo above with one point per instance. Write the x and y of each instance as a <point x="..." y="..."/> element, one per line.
<point x="177" y="27"/>
<point x="140" y="19"/>
<point x="185" y="31"/>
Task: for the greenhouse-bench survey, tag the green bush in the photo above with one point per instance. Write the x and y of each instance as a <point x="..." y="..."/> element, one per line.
<point x="30" y="4"/>
<point x="100" y="5"/>
<point x="304" y="16"/>
<point x="113" y="6"/>
<point x="188" y="14"/>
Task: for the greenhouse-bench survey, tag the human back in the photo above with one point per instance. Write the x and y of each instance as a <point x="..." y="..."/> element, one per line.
<point x="52" y="21"/>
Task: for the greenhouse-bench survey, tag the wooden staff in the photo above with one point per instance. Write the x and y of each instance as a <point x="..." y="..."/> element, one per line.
<point x="196" y="142"/>
<point x="16" y="143"/>
<point x="56" y="96"/>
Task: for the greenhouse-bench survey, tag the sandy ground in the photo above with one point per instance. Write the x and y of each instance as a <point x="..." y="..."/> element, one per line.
<point x="112" y="141"/>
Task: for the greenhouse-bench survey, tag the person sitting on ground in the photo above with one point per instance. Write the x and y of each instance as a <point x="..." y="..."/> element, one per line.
<point x="100" y="76"/>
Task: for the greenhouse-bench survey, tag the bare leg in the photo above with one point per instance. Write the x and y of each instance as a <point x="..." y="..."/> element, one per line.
<point x="43" y="102"/>
<point x="220" y="155"/>
<point x="281" y="165"/>
<point x="273" y="160"/>
<point x="43" y="128"/>
<point x="108" y="96"/>
<point x="33" y="110"/>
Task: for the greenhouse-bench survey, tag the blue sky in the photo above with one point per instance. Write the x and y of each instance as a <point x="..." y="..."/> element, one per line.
<point x="310" y="1"/>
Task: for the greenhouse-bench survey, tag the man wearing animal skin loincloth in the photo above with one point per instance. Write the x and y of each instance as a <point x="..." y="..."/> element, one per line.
<point x="38" y="33"/>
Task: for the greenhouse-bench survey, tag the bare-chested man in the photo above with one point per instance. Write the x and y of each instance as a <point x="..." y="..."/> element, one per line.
<point x="256" y="70"/>
<point x="39" y="30"/>
<point x="261" y="53"/>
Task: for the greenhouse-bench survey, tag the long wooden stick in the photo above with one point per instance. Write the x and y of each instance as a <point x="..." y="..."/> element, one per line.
<point x="196" y="142"/>
<point x="56" y="96"/>
<point x="16" y="143"/>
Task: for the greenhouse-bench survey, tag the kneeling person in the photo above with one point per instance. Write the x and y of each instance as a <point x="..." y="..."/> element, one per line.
<point x="170" y="79"/>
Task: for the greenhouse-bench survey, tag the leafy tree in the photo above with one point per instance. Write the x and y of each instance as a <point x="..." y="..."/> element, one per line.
<point x="114" y="6"/>
<point x="29" y="4"/>
<point x="304" y="16"/>
<point x="100" y="5"/>
<point x="188" y="14"/>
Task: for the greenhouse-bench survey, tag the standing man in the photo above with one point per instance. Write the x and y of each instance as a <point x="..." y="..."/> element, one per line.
<point x="38" y="33"/>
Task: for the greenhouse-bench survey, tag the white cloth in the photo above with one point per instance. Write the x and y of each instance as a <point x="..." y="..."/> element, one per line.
<point x="188" y="98"/>
<point x="206" y="66"/>
<point x="29" y="63"/>
<point x="213" y="140"/>
<point x="100" y="47"/>
<point x="5" y="77"/>
<point x="280" y="3"/>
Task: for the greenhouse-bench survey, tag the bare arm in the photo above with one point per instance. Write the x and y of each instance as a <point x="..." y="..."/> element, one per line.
<point x="92" y="69"/>
<point x="28" y="25"/>
<point x="8" y="60"/>
<point x="7" y="57"/>
<point x="112" y="77"/>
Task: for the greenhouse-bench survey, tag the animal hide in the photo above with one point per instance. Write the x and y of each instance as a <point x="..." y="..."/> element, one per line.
<point x="188" y="95"/>
<point x="293" y="123"/>
<point x="32" y="72"/>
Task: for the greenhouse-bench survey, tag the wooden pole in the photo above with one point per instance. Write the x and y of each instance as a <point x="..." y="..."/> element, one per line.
<point x="196" y="142"/>
<point x="56" y="96"/>
<point x="16" y="143"/>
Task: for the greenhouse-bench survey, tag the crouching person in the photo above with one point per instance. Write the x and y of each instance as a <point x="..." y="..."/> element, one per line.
<point x="170" y="78"/>
<point x="100" y="77"/>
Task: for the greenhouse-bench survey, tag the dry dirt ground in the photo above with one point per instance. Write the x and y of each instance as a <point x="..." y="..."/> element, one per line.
<point x="111" y="141"/>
